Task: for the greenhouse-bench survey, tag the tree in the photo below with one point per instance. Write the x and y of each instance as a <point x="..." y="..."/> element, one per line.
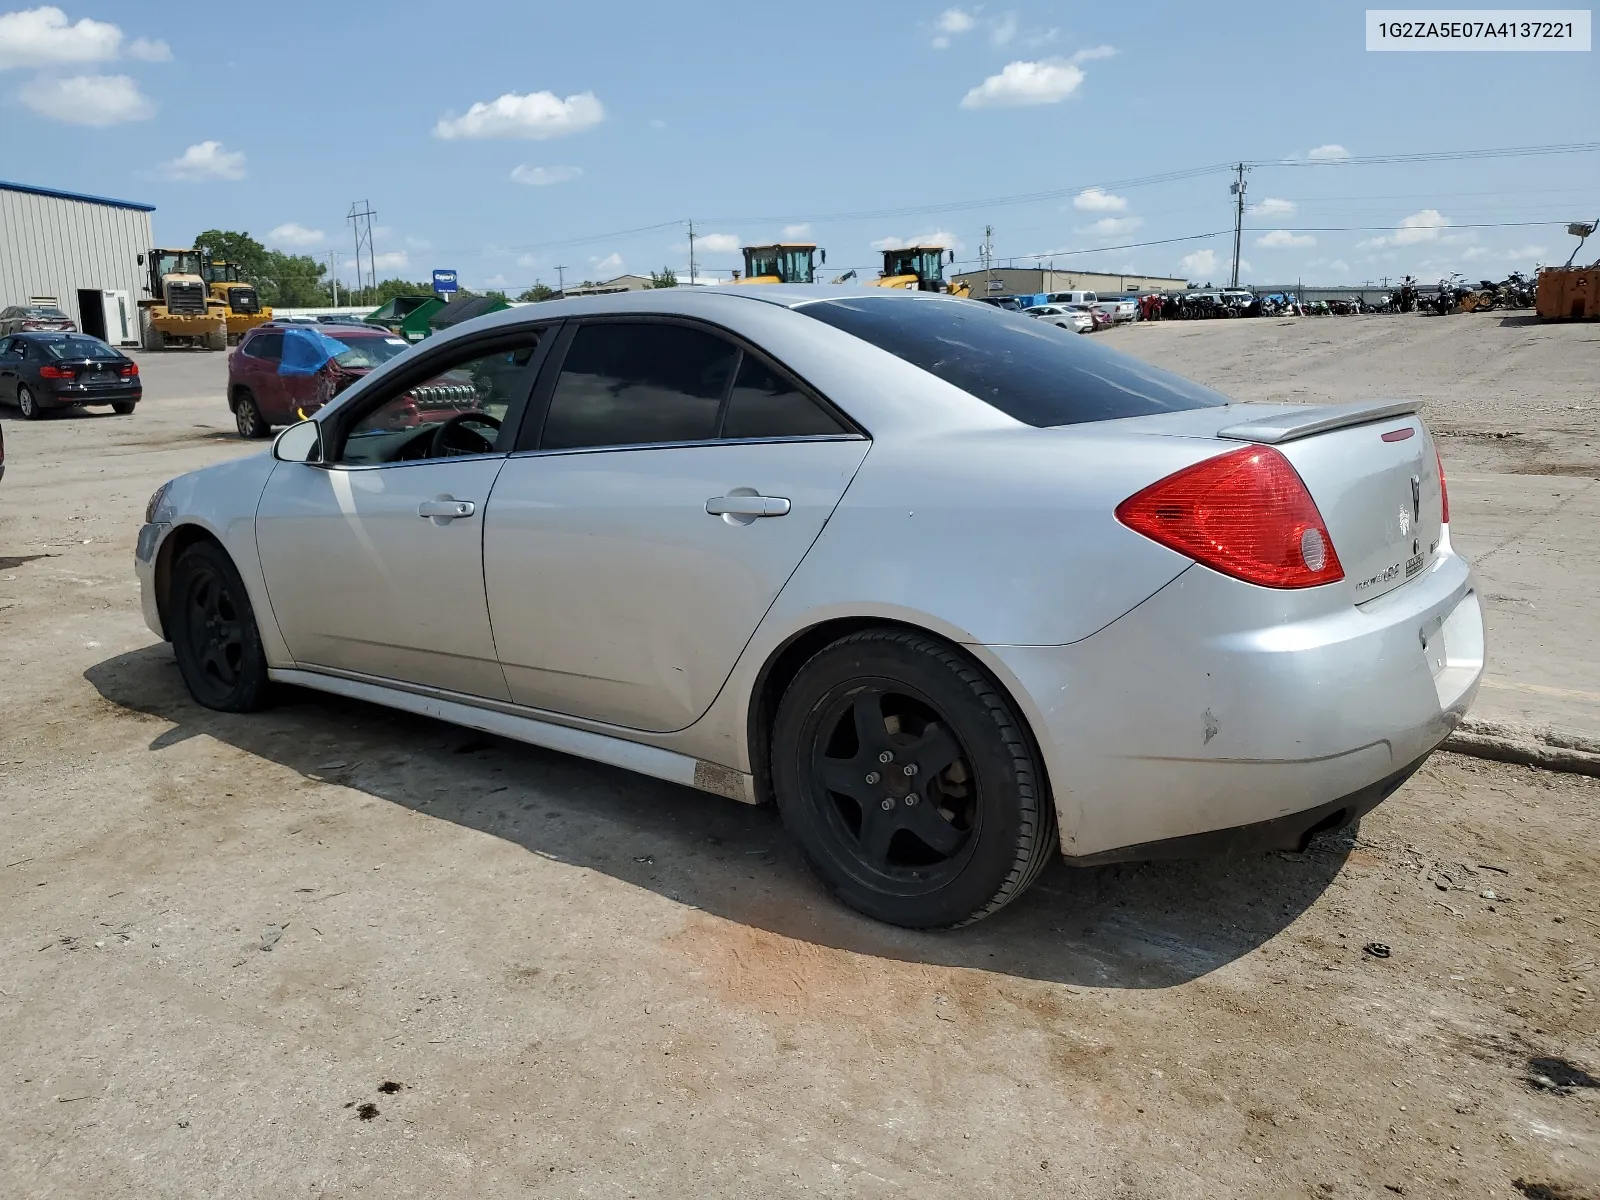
<point x="664" y="278"/>
<point x="496" y="294"/>
<point x="290" y="280"/>
<point x="226" y="246"/>
<point x="537" y="292"/>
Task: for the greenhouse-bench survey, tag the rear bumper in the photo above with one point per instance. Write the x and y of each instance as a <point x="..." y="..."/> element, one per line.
<point x="1211" y="710"/>
<point x="65" y="395"/>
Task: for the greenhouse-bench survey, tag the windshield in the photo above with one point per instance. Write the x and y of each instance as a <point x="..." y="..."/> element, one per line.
<point x="1030" y="370"/>
<point x="367" y="352"/>
<point x="178" y="262"/>
<point x="60" y="348"/>
<point x="760" y="262"/>
<point x="794" y="266"/>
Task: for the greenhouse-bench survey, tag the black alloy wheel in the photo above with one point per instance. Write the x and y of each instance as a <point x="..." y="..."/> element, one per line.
<point x="909" y="781"/>
<point x="214" y="634"/>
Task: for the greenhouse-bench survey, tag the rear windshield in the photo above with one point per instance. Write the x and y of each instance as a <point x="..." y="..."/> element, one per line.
<point x="63" y="348"/>
<point x="1029" y="369"/>
<point x="366" y="350"/>
<point x="52" y="314"/>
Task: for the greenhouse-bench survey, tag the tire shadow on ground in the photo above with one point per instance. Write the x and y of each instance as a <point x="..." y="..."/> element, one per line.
<point x="1140" y="925"/>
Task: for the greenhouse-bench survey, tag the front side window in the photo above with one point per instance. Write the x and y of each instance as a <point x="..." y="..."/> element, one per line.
<point x="627" y="384"/>
<point x="1031" y="370"/>
<point x="457" y="411"/>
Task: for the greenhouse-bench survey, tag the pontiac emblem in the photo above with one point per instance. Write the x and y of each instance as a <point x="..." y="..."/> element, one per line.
<point x="1405" y="523"/>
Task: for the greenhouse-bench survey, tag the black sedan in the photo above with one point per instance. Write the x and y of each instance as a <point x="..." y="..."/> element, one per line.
<point x="40" y="371"/>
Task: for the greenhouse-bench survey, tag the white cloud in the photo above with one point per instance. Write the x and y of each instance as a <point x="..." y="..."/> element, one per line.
<point x="1111" y="226"/>
<point x="1003" y="30"/>
<point x="1025" y="83"/>
<point x="1198" y="265"/>
<point x="793" y="233"/>
<point x="544" y="176"/>
<point x="98" y="100"/>
<point x="292" y="233"/>
<point x="149" y="50"/>
<point x="715" y="243"/>
<point x="938" y="237"/>
<point x="205" y="161"/>
<point x="1338" y="264"/>
<point x="496" y="281"/>
<point x="1424" y="226"/>
<point x="1244" y="265"/>
<point x="1282" y="239"/>
<point x="611" y="262"/>
<point x="1534" y="253"/>
<point x="1332" y="152"/>
<point x="1099" y="200"/>
<point x="1092" y="53"/>
<point x="953" y="20"/>
<point x="395" y="260"/>
<point x="416" y="243"/>
<point x="1472" y="253"/>
<point x="1271" y="206"/>
<point x="657" y="123"/>
<point x="538" y="115"/>
<point x="528" y="260"/>
<point x="38" y="37"/>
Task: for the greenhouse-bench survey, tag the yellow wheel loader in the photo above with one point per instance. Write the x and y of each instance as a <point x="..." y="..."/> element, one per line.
<point x="918" y="269"/>
<point x="242" y="309"/>
<point x="785" y="262"/>
<point x="180" y="310"/>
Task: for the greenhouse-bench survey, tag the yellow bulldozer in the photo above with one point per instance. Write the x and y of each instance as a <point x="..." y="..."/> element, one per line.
<point x="241" y="305"/>
<point x="918" y="269"/>
<point x="180" y="310"/>
<point x="784" y="262"/>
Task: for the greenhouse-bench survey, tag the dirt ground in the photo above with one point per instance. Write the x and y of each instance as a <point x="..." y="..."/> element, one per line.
<point x="333" y="951"/>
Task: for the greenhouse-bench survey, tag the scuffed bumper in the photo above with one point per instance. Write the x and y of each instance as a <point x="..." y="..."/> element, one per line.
<point x="144" y="566"/>
<point x="1210" y="710"/>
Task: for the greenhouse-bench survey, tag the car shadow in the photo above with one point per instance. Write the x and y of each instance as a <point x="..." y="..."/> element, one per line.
<point x="1142" y="925"/>
<point x="1519" y="319"/>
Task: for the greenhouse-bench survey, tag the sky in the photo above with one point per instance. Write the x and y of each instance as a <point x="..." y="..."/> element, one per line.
<point x="506" y="139"/>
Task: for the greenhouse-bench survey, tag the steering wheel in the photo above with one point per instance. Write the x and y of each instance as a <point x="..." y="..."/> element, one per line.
<point x="441" y="446"/>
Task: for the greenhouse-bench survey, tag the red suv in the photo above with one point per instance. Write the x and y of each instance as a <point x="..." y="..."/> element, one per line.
<point x="261" y="396"/>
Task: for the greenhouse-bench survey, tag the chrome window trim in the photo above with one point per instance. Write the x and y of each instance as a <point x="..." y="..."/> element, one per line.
<point x="632" y="446"/>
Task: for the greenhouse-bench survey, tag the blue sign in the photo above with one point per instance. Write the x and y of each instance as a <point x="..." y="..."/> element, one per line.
<point x="444" y="282"/>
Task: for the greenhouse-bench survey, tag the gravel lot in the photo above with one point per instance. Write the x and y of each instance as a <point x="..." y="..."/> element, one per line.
<point x="335" y="951"/>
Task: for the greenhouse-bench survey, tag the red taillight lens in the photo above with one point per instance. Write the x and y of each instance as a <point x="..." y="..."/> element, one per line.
<point x="129" y="370"/>
<point x="1444" y="492"/>
<point x="1246" y="514"/>
<point x="52" y="372"/>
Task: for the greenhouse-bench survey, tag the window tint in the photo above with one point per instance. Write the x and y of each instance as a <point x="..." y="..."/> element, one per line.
<point x="765" y="403"/>
<point x="266" y="345"/>
<point x="402" y="426"/>
<point x="1029" y="369"/>
<point x="78" y="347"/>
<point x="627" y="384"/>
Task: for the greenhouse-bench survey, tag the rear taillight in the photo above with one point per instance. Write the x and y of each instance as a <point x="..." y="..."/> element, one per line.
<point x="1246" y="514"/>
<point x="129" y="370"/>
<point x="1444" y="492"/>
<point x="53" y="372"/>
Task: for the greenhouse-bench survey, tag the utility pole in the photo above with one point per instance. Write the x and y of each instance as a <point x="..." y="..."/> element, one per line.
<point x="1238" y="218"/>
<point x="561" y="280"/>
<point x="333" y="275"/>
<point x="986" y="252"/>
<point x="691" y="253"/>
<point x="361" y="221"/>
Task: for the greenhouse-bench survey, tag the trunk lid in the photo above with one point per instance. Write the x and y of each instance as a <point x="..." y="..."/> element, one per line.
<point x="1370" y="467"/>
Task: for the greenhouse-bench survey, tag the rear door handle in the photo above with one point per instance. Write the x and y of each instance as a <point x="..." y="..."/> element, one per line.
<point x="747" y="504"/>
<point x="444" y="509"/>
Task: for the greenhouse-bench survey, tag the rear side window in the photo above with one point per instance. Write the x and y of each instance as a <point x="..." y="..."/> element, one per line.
<point x="265" y="345"/>
<point x="626" y="383"/>
<point x="766" y="403"/>
<point x="1029" y="369"/>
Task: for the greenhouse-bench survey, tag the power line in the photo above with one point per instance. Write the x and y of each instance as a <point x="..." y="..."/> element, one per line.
<point x="1193" y="237"/>
<point x="1362" y="160"/>
<point x="1393" y="228"/>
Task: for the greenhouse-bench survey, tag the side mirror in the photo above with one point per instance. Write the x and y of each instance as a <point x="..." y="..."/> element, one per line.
<point x="824" y="255"/>
<point x="300" y="443"/>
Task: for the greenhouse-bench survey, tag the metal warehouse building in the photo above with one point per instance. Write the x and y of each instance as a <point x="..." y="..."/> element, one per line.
<point x="1033" y="281"/>
<point x="85" y="252"/>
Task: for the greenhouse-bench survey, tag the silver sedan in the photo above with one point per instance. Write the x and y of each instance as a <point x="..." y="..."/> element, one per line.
<point x="955" y="588"/>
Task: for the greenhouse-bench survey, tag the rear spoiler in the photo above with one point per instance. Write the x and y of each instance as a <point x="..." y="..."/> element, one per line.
<point x="1286" y="427"/>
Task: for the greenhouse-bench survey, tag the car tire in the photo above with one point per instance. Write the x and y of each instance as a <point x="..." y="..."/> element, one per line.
<point x="123" y="407"/>
<point x="247" y="416"/>
<point x="32" y="410"/>
<point x="214" y="634"/>
<point x="909" y="781"/>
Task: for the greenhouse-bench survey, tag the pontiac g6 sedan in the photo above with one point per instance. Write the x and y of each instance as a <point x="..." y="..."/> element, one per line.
<point x="957" y="589"/>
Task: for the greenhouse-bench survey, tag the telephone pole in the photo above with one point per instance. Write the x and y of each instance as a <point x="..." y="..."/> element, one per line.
<point x="691" y="254"/>
<point x="561" y="280"/>
<point x="986" y="252"/>
<point x="1238" y="218"/>
<point x="360" y="218"/>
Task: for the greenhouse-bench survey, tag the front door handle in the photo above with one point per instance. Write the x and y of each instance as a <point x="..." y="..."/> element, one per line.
<point x="743" y="505"/>
<point x="446" y="508"/>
